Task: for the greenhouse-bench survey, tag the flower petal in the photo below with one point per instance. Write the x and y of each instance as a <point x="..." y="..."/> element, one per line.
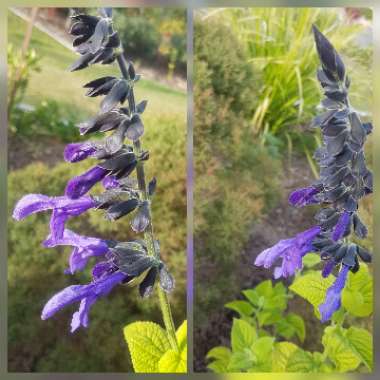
<point x="78" y="151"/>
<point x="80" y="185"/>
<point x="30" y="204"/>
<point x="80" y="317"/>
<point x="341" y="226"/>
<point x="333" y="296"/>
<point x="76" y="293"/>
<point x="303" y="197"/>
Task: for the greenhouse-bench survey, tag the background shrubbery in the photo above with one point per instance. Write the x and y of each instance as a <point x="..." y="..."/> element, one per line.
<point x="235" y="177"/>
<point x="39" y="130"/>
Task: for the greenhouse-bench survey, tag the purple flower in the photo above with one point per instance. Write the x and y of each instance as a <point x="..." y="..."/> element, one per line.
<point x="291" y="251"/>
<point x="110" y="182"/>
<point x="333" y="295"/>
<point x="303" y="197"/>
<point x="80" y="185"/>
<point x="78" y="151"/>
<point x="85" y="247"/>
<point x="328" y="267"/>
<point x="87" y="295"/>
<point x="63" y="208"/>
<point x="341" y="226"/>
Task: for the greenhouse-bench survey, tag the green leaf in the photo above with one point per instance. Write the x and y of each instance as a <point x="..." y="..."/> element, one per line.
<point x="281" y="354"/>
<point x="173" y="361"/>
<point x="265" y="296"/>
<point x="347" y="348"/>
<point x="244" y="308"/>
<point x="312" y="286"/>
<point x="241" y="361"/>
<point x="220" y="353"/>
<point x="222" y="356"/>
<point x="357" y="296"/>
<point x="290" y="325"/>
<point x="262" y="349"/>
<point x="218" y="366"/>
<point x="268" y="317"/>
<point x="302" y="361"/>
<point x="147" y="343"/>
<point x="311" y="260"/>
<point x="181" y="335"/>
<point x="242" y="335"/>
<point x="361" y="342"/>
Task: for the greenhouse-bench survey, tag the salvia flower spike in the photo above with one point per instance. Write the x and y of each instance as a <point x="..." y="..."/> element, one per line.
<point x="132" y="263"/>
<point x="344" y="180"/>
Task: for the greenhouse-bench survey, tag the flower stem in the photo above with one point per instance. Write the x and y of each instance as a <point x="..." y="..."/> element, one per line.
<point x="148" y="234"/>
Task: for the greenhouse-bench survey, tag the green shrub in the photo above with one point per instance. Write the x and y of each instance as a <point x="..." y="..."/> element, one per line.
<point x="235" y="177"/>
<point x="36" y="273"/>
<point x="45" y="120"/>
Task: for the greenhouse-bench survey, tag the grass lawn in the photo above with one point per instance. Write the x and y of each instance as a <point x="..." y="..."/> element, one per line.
<point x="55" y="82"/>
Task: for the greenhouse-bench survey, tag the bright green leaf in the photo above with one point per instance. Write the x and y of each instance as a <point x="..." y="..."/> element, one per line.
<point x="280" y="356"/>
<point x="262" y="349"/>
<point x="173" y="361"/>
<point x="244" y="308"/>
<point x="290" y="325"/>
<point x="241" y="361"/>
<point x="147" y="343"/>
<point x="311" y="260"/>
<point x="339" y="350"/>
<point x="302" y="361"/>
<point x="357" y="296"/>
<point x="181" y="335"/>
<point x="361" y="342"/>
<point x="219" y="353"/>
<point x="242" y="335"/>
<point x="312" y="286"/>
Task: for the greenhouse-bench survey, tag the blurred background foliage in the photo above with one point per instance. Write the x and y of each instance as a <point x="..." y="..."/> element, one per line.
<point x="255" y="94"/>
<point x="43" y="119"/>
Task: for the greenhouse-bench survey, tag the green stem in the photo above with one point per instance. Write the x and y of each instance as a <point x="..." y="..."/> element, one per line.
<point x="148" y="234"/>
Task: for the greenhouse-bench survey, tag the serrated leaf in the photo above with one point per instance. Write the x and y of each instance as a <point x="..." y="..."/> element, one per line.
<point x="241" y="361"/>
<point x="181" y="335"/>
<point x="147" y="343"/>
<point x="339" y="350"/>
<point x="361" y="342"/>
<point x="312" y="286"/>
<point x="173" y="362"/>
<point x="302" y="361"/>
<point x="262" y="349"/>
<point x="357" y="296"/>
<point x="242" y="335"/>
<point x="290" y="325"/>
<point x="281" y="354"/>
<point x="244" y="308"/>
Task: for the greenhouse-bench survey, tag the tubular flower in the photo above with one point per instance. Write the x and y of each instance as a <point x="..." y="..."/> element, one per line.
<point x="63" y="208"/>
<point x="304" y="196"/>
<point x="116" y="262"/>
<point x="333" y="296"/>
<point x="80" y="185"/>
<point x="344" y="180"/>
<point x="85" y="247"/>
<point x="290" y="251"/>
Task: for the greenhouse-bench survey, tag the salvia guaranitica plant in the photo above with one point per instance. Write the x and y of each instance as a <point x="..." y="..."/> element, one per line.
<point x="136" y="262"/>
<point x="344" y="180"/>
